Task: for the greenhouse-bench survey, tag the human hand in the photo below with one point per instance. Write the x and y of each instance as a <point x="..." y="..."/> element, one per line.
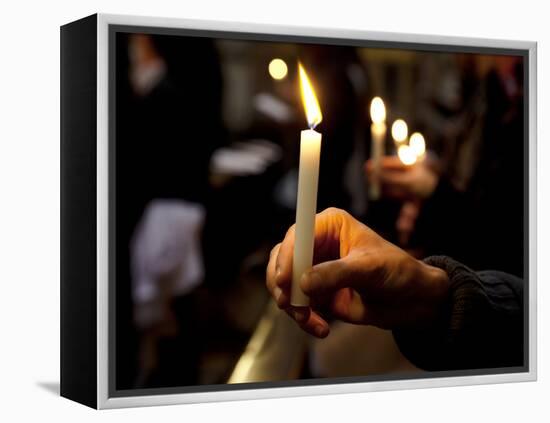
<point x="406" y="182"/>
<point x="406" y="221"/>
<point x="357" y="277"/>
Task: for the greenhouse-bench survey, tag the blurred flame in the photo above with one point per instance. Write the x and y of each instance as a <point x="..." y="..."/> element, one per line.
<point x="418" y="144"/>
<point x="377" y="110"/>
<point x="311" y="105"/>
<point x="399" y="130"/>
<point x="406" y="155"/>
<point x="277" y="69"/>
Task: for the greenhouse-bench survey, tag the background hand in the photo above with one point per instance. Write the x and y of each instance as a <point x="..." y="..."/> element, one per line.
<point x="414" y="182"/>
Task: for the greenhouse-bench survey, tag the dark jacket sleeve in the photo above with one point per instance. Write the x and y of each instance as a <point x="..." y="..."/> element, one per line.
<point x="480" y="325"/>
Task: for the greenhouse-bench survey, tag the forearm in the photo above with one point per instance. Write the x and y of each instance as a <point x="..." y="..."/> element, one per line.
<point x="479" y="325"/>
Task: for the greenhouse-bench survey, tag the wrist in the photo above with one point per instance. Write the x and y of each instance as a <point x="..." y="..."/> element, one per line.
<point x="437" y="282"/>
<point x="435" y="295"/>
<point x="431" y="180"/>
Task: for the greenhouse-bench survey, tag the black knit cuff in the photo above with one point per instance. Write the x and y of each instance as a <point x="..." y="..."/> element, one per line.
<point x="453" y="340"/>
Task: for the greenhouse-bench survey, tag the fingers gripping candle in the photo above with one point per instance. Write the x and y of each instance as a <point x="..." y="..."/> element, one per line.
<point x="308" y="178"/>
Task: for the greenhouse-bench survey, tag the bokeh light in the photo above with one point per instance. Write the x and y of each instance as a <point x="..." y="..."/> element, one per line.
<point x="406" y="155"/>
<point x="399" y="130"/>
<point x="278" y="69"/>
<point x="377" y="110"/>
<point x="418" y="144"/>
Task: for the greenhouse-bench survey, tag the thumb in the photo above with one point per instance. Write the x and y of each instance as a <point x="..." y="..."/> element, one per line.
<point x="331" y="276"/>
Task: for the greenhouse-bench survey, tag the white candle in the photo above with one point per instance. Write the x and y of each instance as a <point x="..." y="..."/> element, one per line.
<point x="306" y="204"/>
<point x="306" y="208"/>
<point x="378" y="137"/>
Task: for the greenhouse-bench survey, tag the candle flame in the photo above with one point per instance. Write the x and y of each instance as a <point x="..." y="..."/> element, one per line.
<point x="418" y="144"/>
<point x="311" y="105"/>
<point x="406" y="155"/>
<point x="399" y="130"/>
<point x="377" y="110"/>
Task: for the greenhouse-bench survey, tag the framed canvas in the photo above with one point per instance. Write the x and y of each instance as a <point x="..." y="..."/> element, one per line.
<point x="255" y="211"/>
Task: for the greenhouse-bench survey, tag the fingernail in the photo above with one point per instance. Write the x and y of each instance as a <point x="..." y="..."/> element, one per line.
<point x="277" y="294"/>
<point x="299" y="315"/>
<point x="321" y="331"/>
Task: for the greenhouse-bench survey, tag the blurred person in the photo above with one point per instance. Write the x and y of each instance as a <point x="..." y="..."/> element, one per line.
<point x="443" y="315"/>
<point x="167" y="266"/>
<point x="478" y="191"/>
<point x="448" y="99"/>
<point x="168" y="122"/>
<point x="169" y="116"/>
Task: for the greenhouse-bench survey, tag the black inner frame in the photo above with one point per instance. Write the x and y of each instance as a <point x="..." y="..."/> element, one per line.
<point x="441" y="48"/>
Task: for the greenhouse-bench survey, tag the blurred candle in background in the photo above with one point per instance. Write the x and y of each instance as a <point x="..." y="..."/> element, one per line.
<point x="308" y="177"/>
<point x="378" y="137"/>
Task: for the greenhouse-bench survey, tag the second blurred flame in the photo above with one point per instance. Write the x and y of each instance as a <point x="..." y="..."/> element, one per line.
<point x="418" y="144"/>
<point x="399" y="130"/>
<point x="406" y="155"/>
<point x="311" y="105"/>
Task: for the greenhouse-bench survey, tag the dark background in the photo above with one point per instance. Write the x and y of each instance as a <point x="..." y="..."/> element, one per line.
<point x="206" y="100"/>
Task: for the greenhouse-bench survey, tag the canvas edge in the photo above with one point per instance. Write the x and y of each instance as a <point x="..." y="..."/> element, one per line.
<point x="103" y="400"/>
